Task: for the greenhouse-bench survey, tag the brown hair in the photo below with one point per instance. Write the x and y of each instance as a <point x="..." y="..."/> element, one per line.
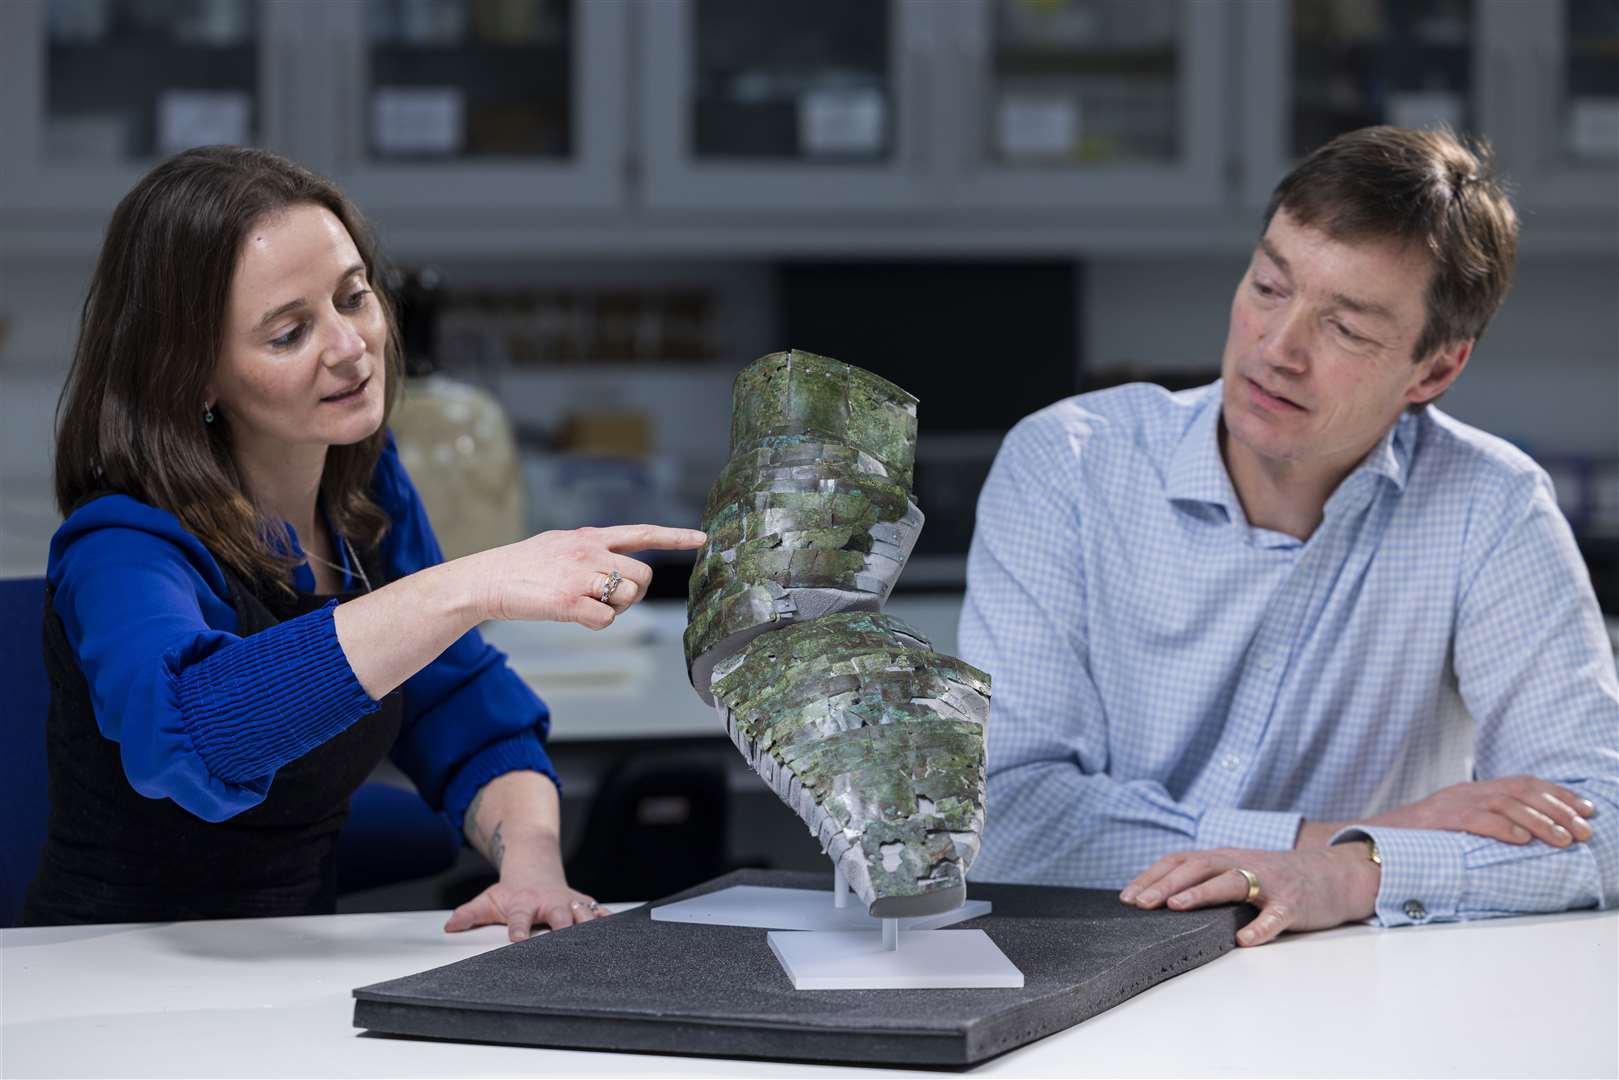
<point x="130" y="419"/>
<point x="1416" y="187"/>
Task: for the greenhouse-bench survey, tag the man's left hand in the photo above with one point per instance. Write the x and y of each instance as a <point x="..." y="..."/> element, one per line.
<point x="1298" y="890"/>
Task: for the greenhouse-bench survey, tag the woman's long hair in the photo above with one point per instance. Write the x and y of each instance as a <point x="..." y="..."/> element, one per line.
<point x="130" y="419"/>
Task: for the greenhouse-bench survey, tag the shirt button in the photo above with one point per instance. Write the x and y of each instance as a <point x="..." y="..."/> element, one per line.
<point x="1415" y="911"/>
<point x="1231" y="761"/>
<point x="1266" y="661"/>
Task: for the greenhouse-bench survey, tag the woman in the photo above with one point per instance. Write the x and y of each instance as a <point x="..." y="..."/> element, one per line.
<point x="247" y="606"/>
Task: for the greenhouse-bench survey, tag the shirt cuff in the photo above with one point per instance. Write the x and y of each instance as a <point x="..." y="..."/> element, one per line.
<point x="1422" y="873"/>
<point x="1257" y="830"/>
<point x="516" y="753"/>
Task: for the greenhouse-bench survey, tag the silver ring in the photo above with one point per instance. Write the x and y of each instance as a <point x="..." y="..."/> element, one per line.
<point x="613" y="578"/>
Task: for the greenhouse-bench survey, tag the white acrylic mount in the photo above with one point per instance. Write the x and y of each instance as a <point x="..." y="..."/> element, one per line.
<point x="773" y="908"/>
<point x="892" y="959"/>
<point x="839" y="946"/>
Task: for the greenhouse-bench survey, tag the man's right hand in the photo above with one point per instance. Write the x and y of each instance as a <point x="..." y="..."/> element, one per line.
<point x="1513" y="809"/>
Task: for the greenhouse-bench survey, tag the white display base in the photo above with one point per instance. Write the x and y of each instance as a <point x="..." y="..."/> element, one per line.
<point x="798" y="909"/>
<point x="924" y="960"/>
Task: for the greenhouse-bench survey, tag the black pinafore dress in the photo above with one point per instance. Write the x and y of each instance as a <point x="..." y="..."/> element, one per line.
<point x="113" y="855"/>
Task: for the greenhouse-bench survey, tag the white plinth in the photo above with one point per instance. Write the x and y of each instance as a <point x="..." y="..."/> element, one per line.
<point x="925" y="960"/>
<point x="775" y="908"/>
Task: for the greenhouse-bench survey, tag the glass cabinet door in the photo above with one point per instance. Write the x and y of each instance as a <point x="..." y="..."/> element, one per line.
<point x="481" y="103"/>
<point x="1406" y="63"/>
<point x="106" y="88"/>
<point x="132" y="82"/>
<point x="1319" y="68"/>
<point x="809" y="84"/>
<point x="1089" y="102"/>
<point x="1565" y="58"/>
<point x="460" y="81"/>
<point x="1588" y="81"/>
<point x="790" y="104"/>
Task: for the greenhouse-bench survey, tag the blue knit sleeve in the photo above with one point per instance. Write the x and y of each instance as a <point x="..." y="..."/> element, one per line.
<point x="468" y="716"/>
<point x="201" y="716"/>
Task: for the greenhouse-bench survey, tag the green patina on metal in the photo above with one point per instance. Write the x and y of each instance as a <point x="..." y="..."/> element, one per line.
<point x="861" y="645"/>
<point x="807" y="564"/>
<point x="852" y="498"/>
<point x="838" y="504"/>
<point x="739" y="606"/>
<point x="824" y="539"/>
<point x="850" y="707"/>
<point x="798" y="393"/>
<point x="800" y="456"/>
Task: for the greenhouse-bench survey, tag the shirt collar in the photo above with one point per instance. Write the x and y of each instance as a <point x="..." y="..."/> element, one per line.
<point x="1197" y="471"/>
<point x="1391" y="457"/>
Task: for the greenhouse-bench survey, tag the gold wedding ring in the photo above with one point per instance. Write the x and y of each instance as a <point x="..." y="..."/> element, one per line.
<point x="1253" y="883"/>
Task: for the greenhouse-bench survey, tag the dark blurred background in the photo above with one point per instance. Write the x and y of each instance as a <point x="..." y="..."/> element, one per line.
<point x="597" y="211"/>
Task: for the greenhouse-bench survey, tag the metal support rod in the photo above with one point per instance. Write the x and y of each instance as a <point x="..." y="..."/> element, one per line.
<point x="840" y="887"/>
<point x="891" y="935"/>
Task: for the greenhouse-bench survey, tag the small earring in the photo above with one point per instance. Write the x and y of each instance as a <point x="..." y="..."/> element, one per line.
<point x="208" y="414"/>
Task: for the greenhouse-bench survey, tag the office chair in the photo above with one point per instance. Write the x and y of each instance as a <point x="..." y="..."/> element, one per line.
<point x="390" y="836"/>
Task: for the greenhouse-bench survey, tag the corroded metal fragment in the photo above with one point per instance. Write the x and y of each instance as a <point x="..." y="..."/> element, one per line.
<point x="796" y="393"/>
<point x="838" y="547"/>
<point x="876" y="741"/>
<point x="792" y="463"/>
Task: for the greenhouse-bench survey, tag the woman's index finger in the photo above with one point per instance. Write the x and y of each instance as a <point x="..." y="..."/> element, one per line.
<point x="626" y="538"/>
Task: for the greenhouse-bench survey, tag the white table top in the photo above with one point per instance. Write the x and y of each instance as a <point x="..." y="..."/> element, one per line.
<point x="1535" y="996"/>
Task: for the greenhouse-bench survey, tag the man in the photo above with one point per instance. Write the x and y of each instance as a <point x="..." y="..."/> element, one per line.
<point x="1299" y="638"/>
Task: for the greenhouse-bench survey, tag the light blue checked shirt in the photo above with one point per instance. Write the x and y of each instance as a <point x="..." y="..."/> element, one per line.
<point x="1168" y="677"/>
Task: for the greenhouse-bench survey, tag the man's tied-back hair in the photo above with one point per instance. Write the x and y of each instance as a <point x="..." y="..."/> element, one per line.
<point x="1418" y="187"/>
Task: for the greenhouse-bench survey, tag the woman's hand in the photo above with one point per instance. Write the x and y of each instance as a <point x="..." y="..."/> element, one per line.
<point x="1298" y="890"/>
<point x="524" y="900"/>
<point x="561" y="576"/>
<point x="515" y="820"/>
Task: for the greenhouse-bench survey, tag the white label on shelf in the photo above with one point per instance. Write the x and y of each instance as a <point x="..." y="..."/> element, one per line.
<point x="1030" y="126"/>
<point x="187" y="118"/>
<point x="1425" y="109"/>
<point x="416" y="119"/>
<point x="841" y="121"/>
<point x="1593" y="127"/>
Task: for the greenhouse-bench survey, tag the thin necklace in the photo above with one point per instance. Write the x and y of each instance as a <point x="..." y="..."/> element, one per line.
<point x="353" y="559"/>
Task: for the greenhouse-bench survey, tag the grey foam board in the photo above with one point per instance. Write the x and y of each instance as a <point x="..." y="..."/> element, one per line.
<point x="627" y="983"/>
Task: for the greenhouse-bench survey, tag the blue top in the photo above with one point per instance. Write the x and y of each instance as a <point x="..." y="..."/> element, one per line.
<point x="205" y="717"/>
<point x="1170" y="677"/>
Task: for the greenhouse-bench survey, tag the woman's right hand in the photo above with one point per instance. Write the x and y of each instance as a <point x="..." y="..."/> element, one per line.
<point x="560" y="576"/>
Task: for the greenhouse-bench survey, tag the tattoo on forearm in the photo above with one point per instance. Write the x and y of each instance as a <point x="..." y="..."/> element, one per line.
<point x="490" y="843"/>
